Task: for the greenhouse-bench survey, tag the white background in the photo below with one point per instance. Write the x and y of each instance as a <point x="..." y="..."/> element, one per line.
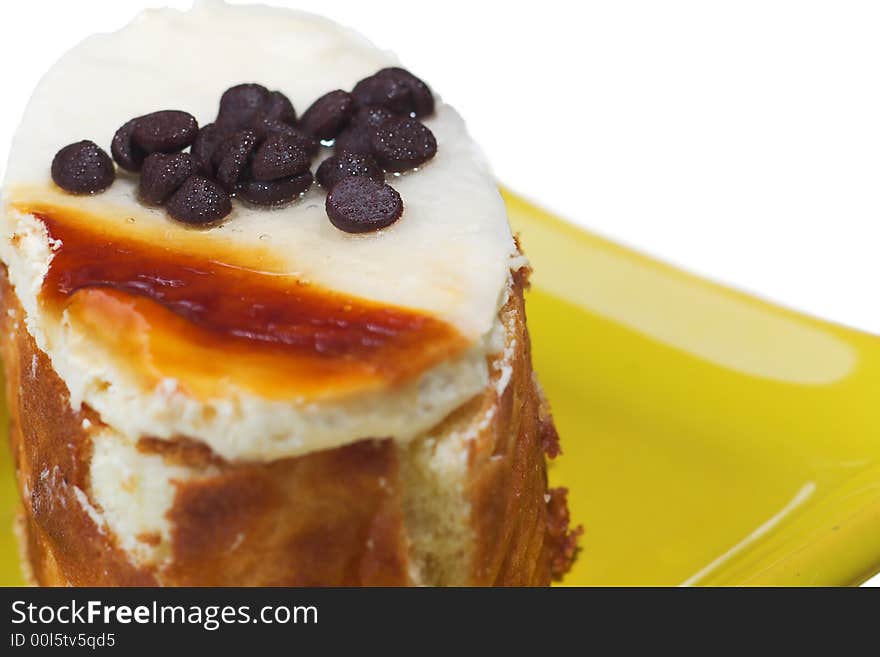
<point x="740" y="140"/>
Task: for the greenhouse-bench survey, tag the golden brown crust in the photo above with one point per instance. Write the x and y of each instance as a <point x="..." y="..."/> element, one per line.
<point x="327" y="518"/>
<point x="508" y="472"/>
<point x="331" y="518"/>
<point x="52" y="453"/>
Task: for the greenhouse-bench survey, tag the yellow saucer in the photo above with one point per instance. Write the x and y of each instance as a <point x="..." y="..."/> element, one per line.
<point x="709" y="437"/>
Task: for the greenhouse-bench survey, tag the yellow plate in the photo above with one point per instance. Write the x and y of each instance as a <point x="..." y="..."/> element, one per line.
<point x="709" y="437"/>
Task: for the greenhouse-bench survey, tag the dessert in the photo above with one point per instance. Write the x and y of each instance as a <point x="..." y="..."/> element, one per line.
<point x="220" y="373"/>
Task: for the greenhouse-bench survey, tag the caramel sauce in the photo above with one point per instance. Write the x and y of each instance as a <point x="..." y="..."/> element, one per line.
<point x="169" y="314"/>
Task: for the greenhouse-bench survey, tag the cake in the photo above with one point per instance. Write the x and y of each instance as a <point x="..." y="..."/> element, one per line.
<point x="220" y="373"/>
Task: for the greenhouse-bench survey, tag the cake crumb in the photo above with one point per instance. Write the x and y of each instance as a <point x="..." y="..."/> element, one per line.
<point x="561" y="537"/>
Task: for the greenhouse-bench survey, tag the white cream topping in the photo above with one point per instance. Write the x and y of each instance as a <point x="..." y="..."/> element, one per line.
<point x="448" y="256"/>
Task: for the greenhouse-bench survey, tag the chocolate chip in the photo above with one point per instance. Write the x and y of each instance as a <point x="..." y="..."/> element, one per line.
<point x="345" y="165"/>
<point x="165" y="131"/>
<point x="357" y="137"/>
<point x="231" y="157"/>
<point x="328" y="115"/>
<point x="279" y="156"/>
<point x="83" y="168"/>
<point x="163" y="174"/>
<point x="371" y="116"/>
<point x="127" y="154"/>
<point x="278" y="107"/>
<point x="263" y="128"/>
<point x="240" y="104"/>
<point x="359" y="205"/>
<point x="400" y="144"/>
<point x="354" y="140"/>
<point x="275" y="192"/>
<point x="421" y="97"/>
<point x="384" y="91"/>
<point x="205" y="145"/>
<point x="397" y="90"/>
<point x="199" y="201"/>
